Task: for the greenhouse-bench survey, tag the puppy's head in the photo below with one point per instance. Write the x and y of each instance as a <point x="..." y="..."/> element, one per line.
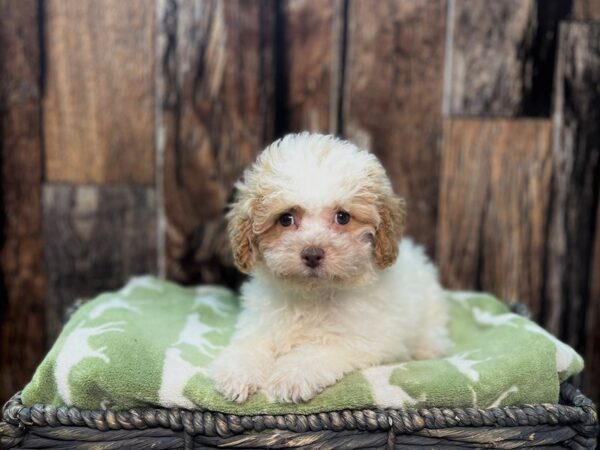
<point x="315" y="209"/>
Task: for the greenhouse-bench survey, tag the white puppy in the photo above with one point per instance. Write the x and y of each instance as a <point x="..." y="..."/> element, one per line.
<point x="317" y="226"/>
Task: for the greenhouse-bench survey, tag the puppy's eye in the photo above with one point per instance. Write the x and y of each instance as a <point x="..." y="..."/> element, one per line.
<point x="285" y="220"/>
<point x="342" y="217"/>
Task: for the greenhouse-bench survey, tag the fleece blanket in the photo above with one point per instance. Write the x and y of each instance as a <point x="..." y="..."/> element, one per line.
<point x="150" y="344"/>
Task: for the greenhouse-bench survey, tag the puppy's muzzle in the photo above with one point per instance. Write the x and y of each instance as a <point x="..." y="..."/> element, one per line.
<point x="312" y="256"/>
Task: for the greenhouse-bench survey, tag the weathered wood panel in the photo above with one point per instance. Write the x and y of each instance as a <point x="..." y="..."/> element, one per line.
<point x="19" y="53"/>
<point x="22" y="283"/>
<point x="586" y="10"/>
<point x="494" y="196"/>
<point x="95" y="239"/>
<point x="393" y="98"/>
<point x="592" y="326"/>
<point x="99" y="101"/>
<point x="312" y="52"/>
<point x="576" y="180"/>
<point x="502" y="58"/>
<point x="216" y="91"/>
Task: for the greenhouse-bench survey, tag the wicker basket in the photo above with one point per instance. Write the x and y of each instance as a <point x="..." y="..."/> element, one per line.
<point x="571" y="424"/>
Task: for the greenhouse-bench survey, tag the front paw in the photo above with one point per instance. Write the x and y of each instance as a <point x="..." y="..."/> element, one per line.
<point x="296" y="383"/>
<point x="237" y="377"/>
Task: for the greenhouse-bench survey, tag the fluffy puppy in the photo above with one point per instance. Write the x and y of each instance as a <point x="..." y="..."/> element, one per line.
<point x="317" y="226"/>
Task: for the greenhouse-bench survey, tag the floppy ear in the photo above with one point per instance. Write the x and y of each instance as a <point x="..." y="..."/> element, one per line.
<point x="241" y="237"/>
<point x="391" y="212"/>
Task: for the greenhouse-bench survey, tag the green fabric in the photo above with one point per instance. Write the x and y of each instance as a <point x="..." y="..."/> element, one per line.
<point x="150" y="344"/>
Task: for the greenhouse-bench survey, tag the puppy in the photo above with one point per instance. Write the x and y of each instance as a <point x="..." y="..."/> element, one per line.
<point x="317" y="226"/>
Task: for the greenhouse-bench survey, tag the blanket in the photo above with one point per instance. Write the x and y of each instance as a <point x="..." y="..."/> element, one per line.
<point x="150" y="344"/>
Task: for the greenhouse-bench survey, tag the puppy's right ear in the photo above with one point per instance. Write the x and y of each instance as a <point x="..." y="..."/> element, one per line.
<point x="240" y="232"/>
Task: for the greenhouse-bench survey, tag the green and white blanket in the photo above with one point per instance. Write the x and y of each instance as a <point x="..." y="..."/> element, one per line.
<point x="150" y="344"/>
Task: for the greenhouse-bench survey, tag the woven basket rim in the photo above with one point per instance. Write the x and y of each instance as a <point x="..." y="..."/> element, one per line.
<point x="574" y="408"/>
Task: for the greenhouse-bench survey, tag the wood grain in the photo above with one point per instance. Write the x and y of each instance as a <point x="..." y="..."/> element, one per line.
<point x="312" y="49"/>
<point x="95" y="239"/>
<point x="502" y="57"/>
<point x="22" y="282"/>
<point x="576" y="154"/>
<point x="592" y="327"/>
<point x="216" y="85"/>
<point x="494" y="198"/>
<point x="99" y="102"/>
<point x="586" y="10"/>
<point x="393" y="98"/>
<point x="19" y="53"/>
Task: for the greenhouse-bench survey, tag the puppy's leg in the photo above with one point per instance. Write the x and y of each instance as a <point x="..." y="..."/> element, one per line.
<point x="434" y="340"/>
<point x="305" y="371"/>
<point x="242" y="368"/>
<point x="434" y="344"/>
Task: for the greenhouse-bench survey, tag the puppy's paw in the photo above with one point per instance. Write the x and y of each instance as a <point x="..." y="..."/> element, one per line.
<point x="295" y="380"/>
<point x="236" y="386"/>
<point x="292" y="386"/>
<point x="238" y="375"/>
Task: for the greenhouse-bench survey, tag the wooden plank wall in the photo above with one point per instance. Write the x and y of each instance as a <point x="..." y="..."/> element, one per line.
<point x="123" y="126"/>
<point x="217" y="87"/>
<point x="312" y="60"/>
<point x="22" y="280"/>
<point x="98" y="103"/>
<point x="491" y="74"/>
<point x="576" y="178"/>
<point x="95" y="238"/>
<point x="576" y="154"/>
<point x="501" y="59"/>
<point x="99" y="204"/>
<point x="494" y="201"/>
<point x="393" y="98"/>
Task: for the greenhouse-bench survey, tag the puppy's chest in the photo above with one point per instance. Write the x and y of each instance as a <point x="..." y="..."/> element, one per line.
<point x="318" y="324"/>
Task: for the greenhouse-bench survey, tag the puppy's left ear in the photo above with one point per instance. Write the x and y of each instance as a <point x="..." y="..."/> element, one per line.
<point x="391" y="212"/>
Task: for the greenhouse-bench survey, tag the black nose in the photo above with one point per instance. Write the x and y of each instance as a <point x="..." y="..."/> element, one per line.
<point x="312" y="256"/>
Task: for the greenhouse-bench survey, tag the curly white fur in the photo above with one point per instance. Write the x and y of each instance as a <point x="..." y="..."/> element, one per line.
<point x="371" y="300"/>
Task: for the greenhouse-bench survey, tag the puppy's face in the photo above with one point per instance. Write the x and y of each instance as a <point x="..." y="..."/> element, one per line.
<point x="332" y="243"/>
<point x="316" y="210"/>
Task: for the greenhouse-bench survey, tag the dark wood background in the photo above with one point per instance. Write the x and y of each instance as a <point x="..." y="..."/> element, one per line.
<point x="123" y="125"/>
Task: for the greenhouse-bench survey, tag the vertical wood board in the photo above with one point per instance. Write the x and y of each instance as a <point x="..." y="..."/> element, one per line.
<point x="22" y="282"/>
<point x="19" y="54"/>
<point x="494" y="198"/>
<point x="393" y="98"/>
<point x="312" y="48"/>
<point x="96" y="238"/>
<point x="576" y="181"/>
<point x="502" y="57"/>
<point x="592" y="325"/>
<point x="216" y="84"/>
<point x="586" y="10"/>
<point x="99" y="100"/>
